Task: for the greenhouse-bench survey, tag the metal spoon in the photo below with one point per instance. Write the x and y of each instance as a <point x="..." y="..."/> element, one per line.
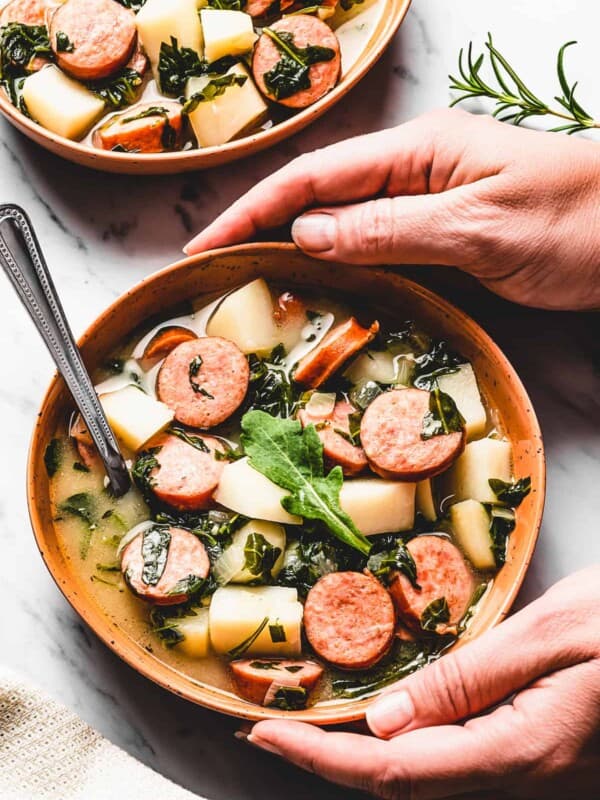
<point x="23" y="261"/>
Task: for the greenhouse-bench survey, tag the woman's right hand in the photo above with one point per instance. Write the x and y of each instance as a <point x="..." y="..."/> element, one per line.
<point x="518" y="209"/>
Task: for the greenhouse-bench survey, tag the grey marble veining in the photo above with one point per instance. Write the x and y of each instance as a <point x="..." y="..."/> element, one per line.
<point x="101" y="233"/>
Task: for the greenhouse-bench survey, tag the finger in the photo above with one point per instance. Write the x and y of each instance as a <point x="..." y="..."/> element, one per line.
<point x="536" y="641"/>
<point x="430" y="763"/>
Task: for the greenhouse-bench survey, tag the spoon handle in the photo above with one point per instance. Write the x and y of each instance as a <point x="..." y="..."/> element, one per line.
<point x="23" y="261"/>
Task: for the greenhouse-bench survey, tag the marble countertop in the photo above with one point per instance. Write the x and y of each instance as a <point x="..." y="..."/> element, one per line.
<point x="101" y="233"/>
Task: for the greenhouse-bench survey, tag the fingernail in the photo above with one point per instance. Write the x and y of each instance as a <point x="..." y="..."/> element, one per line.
<point x="270" y="748"/>
<point x="314" y="232"/>
<point x="390" y="714"/>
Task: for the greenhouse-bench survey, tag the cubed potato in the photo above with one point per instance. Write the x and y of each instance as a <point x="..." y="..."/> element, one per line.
<point x="196" y="631"/>
<point x="237" y="613"/>
<point x="247" y="491"/>
<point x="159" y="20"/>
<point x="245" y="317"/>
<point x="468" y="478"/>
<point x="471" y="527"/>
<point x="462" y="388"/>
<point x="230" y="567"/>
<point x="238" y="109"/>
<point x="379" y="506"/>
<point x="61" y="104"/>
<point x="134" y="416"/>
<point x="226" y="33"/>
<point x="425" y="500"/>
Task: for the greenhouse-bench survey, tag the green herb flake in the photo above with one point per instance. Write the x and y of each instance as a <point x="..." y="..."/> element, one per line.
<point x="79" y="467"/>
<point x="265" y="664"/>
<point x="270" y="388"/>
<point x="512" y="493"/>
<point x="260" y="556"/>
<point x="143" y="468"/>
<point x="63" y="43"/>
<point x="293" y="668"/>
<point x="289" y="698"/>
<point x="393" y="556"/>
<point x="155" y="550"/>
<point x="443" y="416"/>
<point x="194" y="441"/>
<point x="292" y="457"/>
<point x="53" y="457"/>
<point x="277" y="632"/>
<point x="82" y="505"/>
<point x="193" y="370"/>
<point x="241" y="648"/>
<point x="214" y="88"/>
<point x="437" y="613"/>
<point x="291" y="74"/>
<point x="190" y="585"/>
<point x="176" y="65"/>
<point x="119" y="90"/>
<point x="502" y="523"/>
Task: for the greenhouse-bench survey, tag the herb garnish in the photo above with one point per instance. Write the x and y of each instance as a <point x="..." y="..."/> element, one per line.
<point x="291" y="73"/>
<point x="512" y="493"/>
<point x="393" y="556"/>
<point x="63" y="43"/>
<point x="214" y="88"/>
<point x="277" y="632"/>
<point x="53" y="457"/>
<point x="265" y="664"/>
<point x="168" y="137"/>
<point x="292" y="457"/>
<point x="142" y="470"/>
<point x="19" y="44"/>
<point x="118" y="90"/>
<point x="289" y="698"/>
<point x="79" y="467"/>
<point x="134" y="5"/>
<point x="193" y="370"/>
<point x="270" y="389"/>
<point x="189" y="585"/>
<point x="189" y="438"/>
<point x="155" y="549"/>
<point x="502" y="523"/>
<point x="260" y="556"/>
<point x="175" y="65"/>
<point x="308" y="561"/>
<point x="443" y="416"/>
<point x="241" y="648"/>
<point x="82" y="505"/>
<point x="436" y="613"/>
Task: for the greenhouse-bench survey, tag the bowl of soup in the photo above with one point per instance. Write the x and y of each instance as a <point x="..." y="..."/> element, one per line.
<point x="162" y="86"/>
<point x="337" y="478"/>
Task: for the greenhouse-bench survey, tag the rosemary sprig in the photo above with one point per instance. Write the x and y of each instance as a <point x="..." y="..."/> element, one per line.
<point x="514" y="100"/>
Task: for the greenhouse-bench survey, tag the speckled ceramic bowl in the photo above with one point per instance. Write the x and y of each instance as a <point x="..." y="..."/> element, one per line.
<point x="219" y="271"/>
<point x="165" y="163"/>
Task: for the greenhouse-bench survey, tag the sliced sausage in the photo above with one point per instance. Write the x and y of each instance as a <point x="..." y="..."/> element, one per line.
<point x="138" y="60"/>
<point x="442" y="572"/>
<point x="27" y="12"/>
<point x="204" y="381"/>
<point x="349" y="619"/>
<point x="167" y="339"/>
<point x="148" y="128"/>
<point x="186" y="476"/>
<point x="84" y="442"/>
<point x="258" y="8"/>
<point x="336" y="448"/>
<point x="160" y="564"/>
<point x="103" y="35"/>
<point x="390" y="433"/>
<point x="306" y="30"/>
<point x="257" y="680"/>
<point x="332" y="351"/>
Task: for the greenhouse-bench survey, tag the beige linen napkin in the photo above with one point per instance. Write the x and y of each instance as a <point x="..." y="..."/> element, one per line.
<point x="48" y="753"/>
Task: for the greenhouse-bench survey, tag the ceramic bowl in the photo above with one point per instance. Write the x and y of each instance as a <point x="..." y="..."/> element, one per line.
<point x="167" y="163"/>
<point x="219" y="271"/>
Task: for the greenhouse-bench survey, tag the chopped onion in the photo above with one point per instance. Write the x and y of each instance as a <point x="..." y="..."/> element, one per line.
<point x="131" y="534"/>
<point x="321" y="404"/>
<point x="405" y="367"/>
<point x="228" y="565"/>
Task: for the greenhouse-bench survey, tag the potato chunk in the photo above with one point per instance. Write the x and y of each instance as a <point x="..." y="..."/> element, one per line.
<point x="245" y="317"/>
<point x="61" y="104"/>
<point x="468" y="478"/>
<point x="379" y="506"/>
<point x="226" y="33"/>
<point x="134" y="416"/>
<point x="231" y="566"/>
<point x="195" y="629"/>
<point x="471" y="527"/>
<point x="159" y="20"/>
<point x="462" y="388"/>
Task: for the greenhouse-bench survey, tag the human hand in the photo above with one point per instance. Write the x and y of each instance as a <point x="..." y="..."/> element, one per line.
<point x="518" y="209"/>
<point x="544" y="744"/>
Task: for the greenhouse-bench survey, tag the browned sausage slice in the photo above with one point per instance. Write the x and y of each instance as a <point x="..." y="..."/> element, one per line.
<point x="204" y="381"/>
<point x="390" y="433"/>
<point x="257" y="680"/>
<point x="167" y="339"/>
<point x="148" y="128"/>
<point x="332" y="351"/>
<point x="159" y="564"/>
<point x="258" y="8"/>
<point x="306" y="30"/>
<point x="349" y="619"/>
<point x="102" y="34"/>
<point x="442" y="572"/>
<point x="336" y="448"/>
<point x="27" y="12"/>
<point x="186" y="476"/>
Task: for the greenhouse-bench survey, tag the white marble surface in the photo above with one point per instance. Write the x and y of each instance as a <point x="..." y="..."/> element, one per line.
<point x="101" y="233"/>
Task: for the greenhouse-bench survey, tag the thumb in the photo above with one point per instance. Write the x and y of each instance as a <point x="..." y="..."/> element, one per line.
<point x="479" y="674"/>
<point x="398" y="230"/>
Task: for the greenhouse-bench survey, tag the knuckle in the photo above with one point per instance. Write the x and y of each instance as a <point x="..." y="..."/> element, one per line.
<point x="375" y="226"/>
<point x="393" y="783"/>
<point x="445" y="689"/>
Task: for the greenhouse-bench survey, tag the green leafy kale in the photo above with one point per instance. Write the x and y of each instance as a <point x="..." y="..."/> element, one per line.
<point x="79" y="467"/>
<point x="291" y="73"/>
<point x="308" y="561"/>
<point x="155" y="550"/>
<point x="443" y="416"/>
<point x="389" y="555"/>
<point x="63" y="43"/>
<point x="292" y="457"/>
<point x="194" y="441"/>
<point x="289" y="698"/>
<point x="438" y="360"/>
<point x="241" y="648"/>
<point x="53" y="457"/>
<point x="409" y="340"/>
<point x="193" y="370"/>
<point x="134" y="5"/>
<point x="214" y="88"/>
<point x="436" y="613"/>
<point x="190" y="585"/>
<point x="277" y="632"/>
<point x="169" y="134"/>
<point x="512" y="493"/>
<point x="119" y="90"/>
<point x="502" y="523"/>
<point x="82" y="505"/>
<point x="146" y="462"/>
<point x="164" y="621"/>
<point x="270" y="388"/>
<point x="363" y="393"/>
<point x="19" y="44"/>
<point x="260" y="556"/>
<point x="176" y="65"/>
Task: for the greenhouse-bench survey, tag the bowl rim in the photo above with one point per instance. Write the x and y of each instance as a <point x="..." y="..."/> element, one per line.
<point x="237" y="148"/>
<point x="211" y="698"/>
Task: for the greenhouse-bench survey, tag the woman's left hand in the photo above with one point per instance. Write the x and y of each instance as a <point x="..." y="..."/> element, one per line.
<point x="544" y="744"/>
